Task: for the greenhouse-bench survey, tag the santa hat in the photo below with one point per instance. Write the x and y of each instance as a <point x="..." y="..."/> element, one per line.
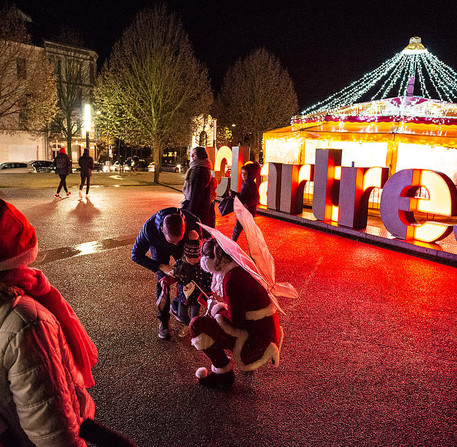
<point x="193" y="246"/>
<point x="18" y="240"/>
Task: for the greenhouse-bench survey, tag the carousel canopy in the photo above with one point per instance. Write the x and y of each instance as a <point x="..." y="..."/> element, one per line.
<point x="413" y="70"/>
<point x="401" y="115"/>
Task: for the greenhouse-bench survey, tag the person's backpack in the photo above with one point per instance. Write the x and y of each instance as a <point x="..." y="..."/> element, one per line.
<point x="60" y="162"/>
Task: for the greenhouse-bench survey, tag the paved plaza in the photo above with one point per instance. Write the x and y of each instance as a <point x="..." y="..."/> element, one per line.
<point x="370" y="350"/>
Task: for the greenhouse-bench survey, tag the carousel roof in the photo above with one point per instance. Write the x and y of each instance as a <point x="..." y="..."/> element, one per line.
<point x="404" y="115"/>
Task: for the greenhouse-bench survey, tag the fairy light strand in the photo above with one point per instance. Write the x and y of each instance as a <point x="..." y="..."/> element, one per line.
<point x="394" y="75"/>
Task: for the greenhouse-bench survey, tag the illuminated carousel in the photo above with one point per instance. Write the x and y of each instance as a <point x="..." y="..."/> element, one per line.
<point x="395" y="129"/>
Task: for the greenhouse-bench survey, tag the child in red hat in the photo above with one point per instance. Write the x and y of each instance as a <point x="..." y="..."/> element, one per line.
<point x="46" y="355"/>
<point x="194" y="284"/>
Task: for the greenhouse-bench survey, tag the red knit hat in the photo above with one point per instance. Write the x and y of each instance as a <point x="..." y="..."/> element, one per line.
<point x="18" y="243"/>
<point x="193" y="245"/>
<point x="62" y="150"/>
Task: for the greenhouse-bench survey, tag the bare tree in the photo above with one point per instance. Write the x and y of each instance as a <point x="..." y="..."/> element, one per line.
<point x="257" y="95"/>
<point x="68" y="120"/>
<point x="27" y="84"/>
<point x="74" y="69"/>
<point x="153" y="86"/>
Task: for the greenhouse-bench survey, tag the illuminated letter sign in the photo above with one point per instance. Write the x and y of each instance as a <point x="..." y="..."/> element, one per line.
<point x="274" y="185"/>
<point x="263" y="188"/>
<point x="326" y="184"/>
<point x="293" y="181"/>
<point x="240" y="155"/>
<point x="223" y="158"/>
<point x="355" y="188"/>
<point x="398" y="204"/>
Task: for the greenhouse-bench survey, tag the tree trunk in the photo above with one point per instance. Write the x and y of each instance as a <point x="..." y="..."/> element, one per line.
<point x="256" y="145"/>
<point x="69" y="137"/>
<point x="156" y="158"/>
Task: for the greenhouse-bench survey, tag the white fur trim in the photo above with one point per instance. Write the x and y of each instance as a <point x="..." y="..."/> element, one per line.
<point x="201" y="372"/>
<point x="202" y="342"/>
<point x="223" y="370"/>
<point x="25" y="258"/>
<point x="217" y="308"/>
<point x="219" y="275"/>
<point x="261" y="313"/>
<point x="271" y="353"/>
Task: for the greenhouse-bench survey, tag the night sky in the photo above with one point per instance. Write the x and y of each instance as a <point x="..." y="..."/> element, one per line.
<point x="325" y="45"/>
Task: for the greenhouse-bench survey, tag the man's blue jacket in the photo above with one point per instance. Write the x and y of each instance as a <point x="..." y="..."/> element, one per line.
<point x="151" y="238"/>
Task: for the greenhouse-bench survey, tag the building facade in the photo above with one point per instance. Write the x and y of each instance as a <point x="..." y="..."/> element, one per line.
<point x="19" y="68"/>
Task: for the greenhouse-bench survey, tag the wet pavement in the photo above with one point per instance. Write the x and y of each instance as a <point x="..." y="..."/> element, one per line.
<point x="370" y="350"/>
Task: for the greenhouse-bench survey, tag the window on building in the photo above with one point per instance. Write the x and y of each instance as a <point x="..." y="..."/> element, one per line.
<point x="21" y="69"/>
<point x="92" y="73"/>
<point x="79" y="98"/>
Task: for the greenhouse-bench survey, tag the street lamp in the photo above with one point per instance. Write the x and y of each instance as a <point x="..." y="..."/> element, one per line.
<point x="87" y="123"/>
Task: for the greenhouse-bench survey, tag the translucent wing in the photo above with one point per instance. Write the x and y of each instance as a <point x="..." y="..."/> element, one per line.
<point x="258" y="250"/>
<point x="260" y="263"/>
<point x="257" y="246"/>
<point x="237" y="254"/>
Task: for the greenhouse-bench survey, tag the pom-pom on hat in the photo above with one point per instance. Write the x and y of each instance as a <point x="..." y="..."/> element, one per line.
<point x="18" y="242"/>
<point x="193" y="246"/>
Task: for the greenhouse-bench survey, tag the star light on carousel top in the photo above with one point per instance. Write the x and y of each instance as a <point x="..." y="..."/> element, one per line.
<point x="413" y="67"/>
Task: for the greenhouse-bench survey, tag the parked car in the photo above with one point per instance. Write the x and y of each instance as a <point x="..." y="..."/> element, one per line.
<point x="140" y="165"/>
<point x="98" y="167"/>
<point x="19" y="167"/>
<point x="42" y="165"/>
<point x="116" y="167"/>
<point x="152" y="167"/>
<point x="14" y="167"/>
<point x="171" y="167"/>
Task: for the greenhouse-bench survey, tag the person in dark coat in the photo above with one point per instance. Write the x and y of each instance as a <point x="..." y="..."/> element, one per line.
<point x="62" y="164"/>
<point x="87" y="165"/>
<point x="249" y="193"/>
<point x="197" y="186"/>
<point x="164" y="234"/>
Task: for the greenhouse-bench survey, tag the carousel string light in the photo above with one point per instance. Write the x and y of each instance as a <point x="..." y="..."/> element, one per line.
<point x="397" y="75"/>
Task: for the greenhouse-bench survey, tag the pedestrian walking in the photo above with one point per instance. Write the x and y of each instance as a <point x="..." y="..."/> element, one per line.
<point x="62" y="165"/>
<point x="197" y="186"/>
<point x="46" y="356"/>
<point x="164" y="234"/>
<point x="249" y="193"/>
<point x="86" y="162"/>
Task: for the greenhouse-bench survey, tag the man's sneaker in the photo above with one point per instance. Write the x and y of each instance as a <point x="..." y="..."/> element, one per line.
<point x="222" y="381"/>
<point x="164" y="332"/>
<point x="87" y="196"/>
<point x="57" y="196"/>
<point x="80" y="194"/>
<point x="68" y="193"/>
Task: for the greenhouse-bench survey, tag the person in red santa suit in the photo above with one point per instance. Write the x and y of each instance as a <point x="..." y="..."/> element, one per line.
<point x="245" y="321"/>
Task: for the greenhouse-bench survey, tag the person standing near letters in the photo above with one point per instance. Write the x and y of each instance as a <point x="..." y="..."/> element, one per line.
<point x="197" y="186"/>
